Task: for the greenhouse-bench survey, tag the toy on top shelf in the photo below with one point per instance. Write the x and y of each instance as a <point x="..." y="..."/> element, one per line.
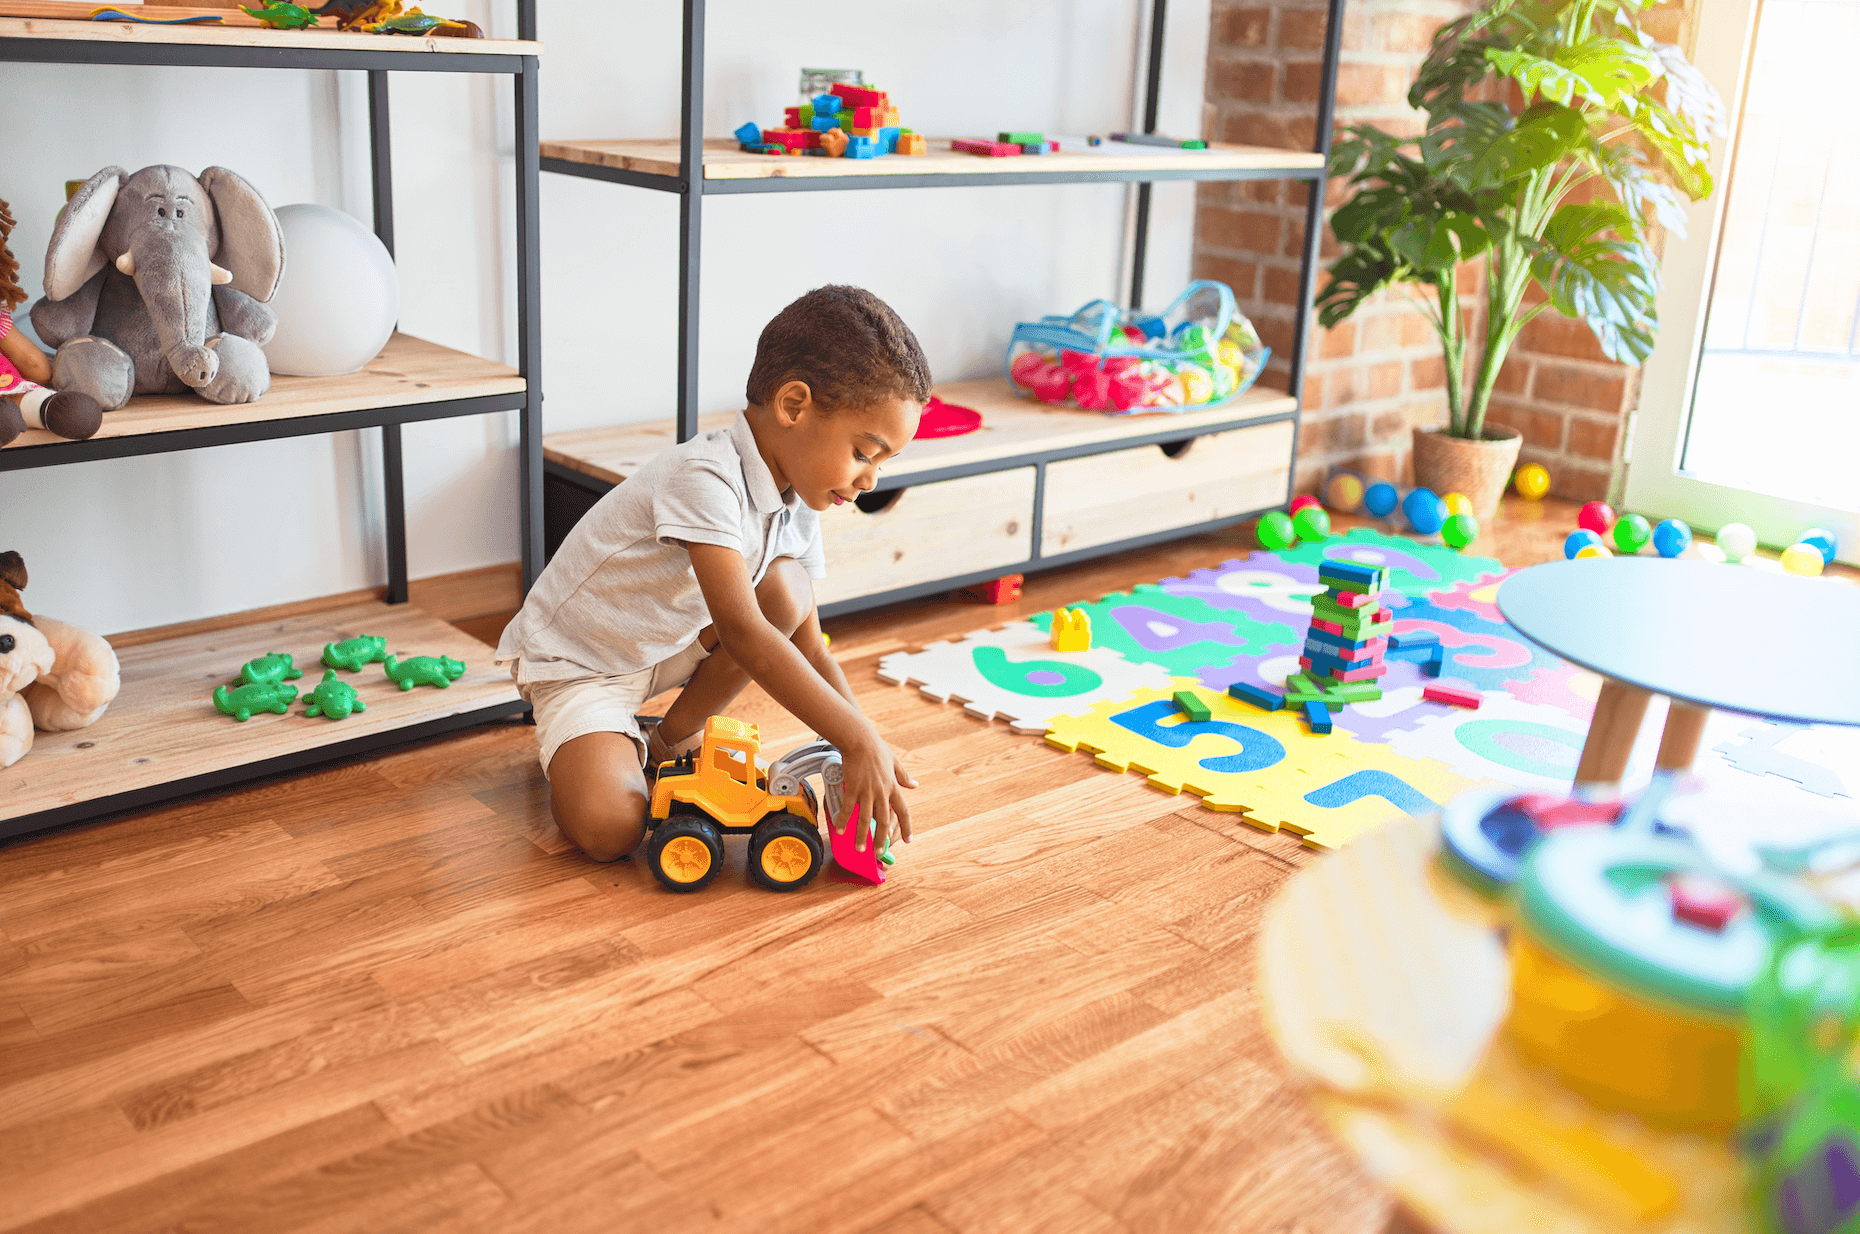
<point x="1071" y="629"/>
<point x="353" y="653"/>
<point x="274" y="667"/>
<point x="25" y="399"/>
<point x="1671" y="538"/>
<point x="1736" y="541"/>
<point x="439" y="671"/>
<point x="241" y="702"/>
<point x="1631" y="532"/>
<point x="847" y="121"/>
<point x="1276" y="530"/>
<point x="283" y="16"/>
<point x="1157" y="139"/>
<point x="334" y="699"/>
<point x="1531" y="481"/>
<point x="1596" y="516"/>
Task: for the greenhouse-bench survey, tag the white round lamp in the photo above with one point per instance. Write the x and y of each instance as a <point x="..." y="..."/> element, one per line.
<point x="339" y="298"/>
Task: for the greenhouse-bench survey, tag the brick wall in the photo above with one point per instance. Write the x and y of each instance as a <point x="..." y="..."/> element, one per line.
<point x="1380" y="373"/>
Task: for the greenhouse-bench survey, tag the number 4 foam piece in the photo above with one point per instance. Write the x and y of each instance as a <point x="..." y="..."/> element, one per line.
<point x="1458" y="696"/>
<point x="1190" y="705"/>
<point x="1253" y="694"/>
<point x="859" y="862"/>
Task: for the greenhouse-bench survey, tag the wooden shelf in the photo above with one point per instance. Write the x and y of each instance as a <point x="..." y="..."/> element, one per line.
<point x="26" y="19"/>
<point x="409" y="371"/>
<point x="1012" y="427"/>
<point x="724" y="160"/>
<point x="163" y="728"/>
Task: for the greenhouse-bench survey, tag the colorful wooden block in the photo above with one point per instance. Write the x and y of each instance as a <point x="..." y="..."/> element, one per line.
<point x="991" y="149"/>
<point x="1189" y="704"/>
<point x="1354" y="599"/>
<point x="1551" y="810"/>
<point x="749" y="135"/>
<point x="834" y="142"/>
<point x="1318" y="716"/>
<point x="860" y="96"/>
<point x="1704" y="902"/>
<point x="912" y="143"/>
<point x="1022" y="139"/>
<point x="1003" y="590"/>
<point x="1255" y="695"/>
<point x="1353" y="572"/>
<point x="828" y="105"/>
<point x="1457" y="696"/>
<point x="1415" y="640"/>
<point x="1071" y="629"/>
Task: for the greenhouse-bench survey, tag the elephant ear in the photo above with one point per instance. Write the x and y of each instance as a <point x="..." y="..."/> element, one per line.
<point x="74" y="254"/>
<point x="251" y="242"/>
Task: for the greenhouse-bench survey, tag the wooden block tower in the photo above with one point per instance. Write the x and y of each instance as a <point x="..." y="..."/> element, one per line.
<point x="1345" y="646"/>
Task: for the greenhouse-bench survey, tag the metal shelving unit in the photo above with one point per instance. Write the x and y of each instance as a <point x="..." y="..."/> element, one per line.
<point x="64" y="780"/>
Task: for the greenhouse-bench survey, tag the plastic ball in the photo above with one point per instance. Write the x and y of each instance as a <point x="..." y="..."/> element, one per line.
<point x="1802" y="559"/>
<point x="1578" y="540"/>
<point x="1671" y="538"/>
<point x="339" y="297"/>
<point x="1531" y="481"/>
<point x="1425" y="511"/>
<point x="1275" y="530"/>
<point x="1459" y="530"/>
<point x="1821" y="540"/>
<point x="1737" y="540"/>
<point x="1457" y="503"/>
<point x="1311" y="523"/>
<point x="1593" y="550"/>
<point x="1597" y="517"/>
<point x="1344" y="493"/>
<point x="1380" y="499"/>
<point x="1301" y="502"/>
<point x="1631" y="533"/>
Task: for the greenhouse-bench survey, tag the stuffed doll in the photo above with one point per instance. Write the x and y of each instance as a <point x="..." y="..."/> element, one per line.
<point x="24" y="369"/>
<point x="53" y="676"/>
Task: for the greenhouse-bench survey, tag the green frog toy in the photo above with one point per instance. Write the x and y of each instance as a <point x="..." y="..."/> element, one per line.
<point x="334" y="699"/>
<point x="240" y="702"/>
<point x="439" y="671"/>
<point x="354" y="653"/>
<point x="267" y="669"/>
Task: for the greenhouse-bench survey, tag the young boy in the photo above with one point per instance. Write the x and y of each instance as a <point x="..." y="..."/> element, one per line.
<point x="697" y="571"/>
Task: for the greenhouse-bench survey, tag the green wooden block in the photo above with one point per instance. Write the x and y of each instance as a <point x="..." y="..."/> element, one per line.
<point x="1021" y="139"/>
<point x="807" y="116"/>
<point x="1190" y="705"/>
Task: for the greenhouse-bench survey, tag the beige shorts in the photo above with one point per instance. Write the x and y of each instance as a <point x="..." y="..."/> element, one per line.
<point x="577" y="706"/>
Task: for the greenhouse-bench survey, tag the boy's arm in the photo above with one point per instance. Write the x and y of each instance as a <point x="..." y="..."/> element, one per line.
<point x="813" y="646"/>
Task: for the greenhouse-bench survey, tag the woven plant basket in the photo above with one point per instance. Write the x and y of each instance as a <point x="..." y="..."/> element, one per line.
<point x="1479" y="469"/>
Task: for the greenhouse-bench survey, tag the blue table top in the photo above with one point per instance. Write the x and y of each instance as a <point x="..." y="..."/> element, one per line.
<point x="1725" y="636"/>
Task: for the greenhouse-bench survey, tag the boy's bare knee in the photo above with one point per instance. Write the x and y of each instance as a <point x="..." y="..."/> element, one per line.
<point x="598" y="795"/>
<point x="785" y="595"/>
<point x="603" y="830"/>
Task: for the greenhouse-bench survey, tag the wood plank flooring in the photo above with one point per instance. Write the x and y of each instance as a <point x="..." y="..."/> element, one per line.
<point x="388" y="996"/>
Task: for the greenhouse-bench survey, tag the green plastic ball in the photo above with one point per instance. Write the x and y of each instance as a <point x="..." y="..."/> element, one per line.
<point x="1459" y="530"/>
<point x="1275" y="530"/>
<point x="1631" y="533"/>
<point x="1311" y="523"/>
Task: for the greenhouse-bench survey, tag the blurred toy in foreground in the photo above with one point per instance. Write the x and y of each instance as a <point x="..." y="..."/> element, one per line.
<point x="1197" y="352"/>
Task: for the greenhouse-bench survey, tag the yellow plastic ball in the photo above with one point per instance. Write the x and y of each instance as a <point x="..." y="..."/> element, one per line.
<point x="1802" y="559"/>
<point x="1531" y="481"/>
<point x="1344" y="493"/>
<point x="1458" y="503"/>
<point x="1593" y="550"/>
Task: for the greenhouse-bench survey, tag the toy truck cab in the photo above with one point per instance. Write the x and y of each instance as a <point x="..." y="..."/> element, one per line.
<point x="720" y="789"/>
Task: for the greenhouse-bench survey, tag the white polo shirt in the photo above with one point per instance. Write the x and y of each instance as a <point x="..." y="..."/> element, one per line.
<point x="620" y="595"/>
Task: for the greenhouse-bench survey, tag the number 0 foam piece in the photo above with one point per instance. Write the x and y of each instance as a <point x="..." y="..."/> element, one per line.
<point x="1013" y="674"/>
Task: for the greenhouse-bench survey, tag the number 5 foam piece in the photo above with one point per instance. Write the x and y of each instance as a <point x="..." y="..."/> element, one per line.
<point x="1013" y="674"/>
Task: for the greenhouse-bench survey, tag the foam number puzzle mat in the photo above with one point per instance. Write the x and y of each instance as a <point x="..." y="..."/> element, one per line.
<point x="1245" y="621"/>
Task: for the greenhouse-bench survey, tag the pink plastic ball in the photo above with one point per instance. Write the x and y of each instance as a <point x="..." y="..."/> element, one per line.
<point x="1300" y="502"/>
<point x="1597" y="516"/>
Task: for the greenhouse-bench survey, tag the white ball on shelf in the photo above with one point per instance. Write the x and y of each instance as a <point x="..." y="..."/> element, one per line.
<point x="1737" y="540"/>
<point x="339" y="298"/>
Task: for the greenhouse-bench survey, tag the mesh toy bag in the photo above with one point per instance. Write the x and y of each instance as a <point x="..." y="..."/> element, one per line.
<point x="1197" y="352"/>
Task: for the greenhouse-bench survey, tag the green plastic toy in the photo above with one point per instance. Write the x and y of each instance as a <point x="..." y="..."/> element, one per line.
<point x="268" y="669"/>
<point x="439" y="671"/>
<point x="336" y="700"/>
<point x="241" y="702"/>
<point x="283" y="16"/>
<point x="354" y="653"/>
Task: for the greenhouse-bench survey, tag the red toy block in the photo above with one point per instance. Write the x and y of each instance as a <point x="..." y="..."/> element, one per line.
<point x="791" y="139"/>
<point x="868" y="117"/>
<point x="1549" y="811"/>
<point x="791" y="116"/>
<point x="1329" y="627"/>
<point x="1704" y="902"/>
<point x="1458" y="696"/>
<point x="993" y="149"/>
<point x="1353" y="599"/>
<point x="855" y="859"/>
<point x="1362" y="674"/>
<point x="1003" y="590"/>
<point x="861" y="96"/>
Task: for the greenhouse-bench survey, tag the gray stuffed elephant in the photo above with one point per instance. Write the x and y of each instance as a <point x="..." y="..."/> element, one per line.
<point x="155" y="283"/>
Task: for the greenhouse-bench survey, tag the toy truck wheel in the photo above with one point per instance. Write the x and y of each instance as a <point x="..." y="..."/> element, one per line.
<point x="784" y="852"/>
<point x="686" y="853"/>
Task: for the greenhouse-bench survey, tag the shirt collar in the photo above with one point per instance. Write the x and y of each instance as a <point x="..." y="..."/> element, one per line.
<point x="763" y="496"/>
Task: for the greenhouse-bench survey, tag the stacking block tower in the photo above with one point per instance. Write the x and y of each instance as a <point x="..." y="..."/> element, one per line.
<point x="1344" y="648"/>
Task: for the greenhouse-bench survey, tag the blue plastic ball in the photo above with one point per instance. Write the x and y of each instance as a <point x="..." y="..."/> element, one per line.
<point x="1580" y="539"/>
<point x="1671" y="538"/>
<point x="1822" y="541"/>
<point x="1425" y="511"/>
<point x="1380" y="499"/>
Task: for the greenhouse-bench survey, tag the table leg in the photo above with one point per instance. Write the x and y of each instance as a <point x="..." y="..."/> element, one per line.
<point x="1679" y="743"/>
<point x="1618" y="713"/>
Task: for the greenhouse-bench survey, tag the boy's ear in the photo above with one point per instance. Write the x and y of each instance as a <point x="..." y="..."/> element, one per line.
<point x="791" y="400"/>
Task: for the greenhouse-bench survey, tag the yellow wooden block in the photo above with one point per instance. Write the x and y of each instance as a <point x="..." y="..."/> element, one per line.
<point x="1071" y="629"/>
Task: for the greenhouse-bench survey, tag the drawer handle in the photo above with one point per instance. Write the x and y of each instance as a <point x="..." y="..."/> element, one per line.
<point x="1176" y="449"/>
<point x="878" y="501"/>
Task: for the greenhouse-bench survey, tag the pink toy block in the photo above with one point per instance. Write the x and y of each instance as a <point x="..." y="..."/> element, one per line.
<point x="1353" y="599"/>
<point x="1458" y="696"/>
<point x="1704" y="902"/>
<point x="861" y="96"/>
<point x="792" y="139"/>
<point x="993" y="149"/>
<point x="1329" y="627"/>
<point x="859" y="862"/>
<point x="1549" y="811"/>
<point x="791" y="116"/>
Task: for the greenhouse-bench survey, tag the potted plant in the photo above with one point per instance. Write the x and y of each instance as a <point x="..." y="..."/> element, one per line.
<point x="1559" y="134"/>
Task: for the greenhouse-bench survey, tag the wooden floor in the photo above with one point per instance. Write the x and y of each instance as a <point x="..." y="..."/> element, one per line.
<point x="388" y="996"/>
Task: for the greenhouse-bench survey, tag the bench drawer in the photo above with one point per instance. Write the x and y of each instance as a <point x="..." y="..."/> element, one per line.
<point x="926" y="532"/>
<point x="1104" y="498"/>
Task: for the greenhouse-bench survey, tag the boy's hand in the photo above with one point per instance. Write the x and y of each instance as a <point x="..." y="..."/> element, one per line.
<point x="874" y="782"/>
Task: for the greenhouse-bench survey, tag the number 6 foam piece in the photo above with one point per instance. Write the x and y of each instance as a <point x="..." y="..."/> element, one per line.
<point x="1014" y="674"/>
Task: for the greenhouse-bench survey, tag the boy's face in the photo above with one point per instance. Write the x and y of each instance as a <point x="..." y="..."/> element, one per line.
<point x="832" y="457"/>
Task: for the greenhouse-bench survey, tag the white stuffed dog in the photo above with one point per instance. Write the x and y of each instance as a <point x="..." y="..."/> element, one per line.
<point x="53" y="676"/>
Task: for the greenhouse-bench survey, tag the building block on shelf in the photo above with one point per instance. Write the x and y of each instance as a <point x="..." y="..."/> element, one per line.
<point x="888" y="139"/>
<point x="1189" y="704"/>
<point x="862" y="147"/>
<point x="749" y="135"/>
<point x="1035" y="147"/>
<point x="860" y="96"/>
<point x="991" y="149"/>
<point x="821" y="124"/>
<point x="866" y="117"/>
<point x="834" y="142"/>
<point x="1458" y="696"/>
<point x="1261" y="698"/>
<point x="801" y="117"/>
<point x="827" y="105"/>
<point x="857" y="131"/>
<point x="1022" y="139"/>
<point x="1318" y="716"/>
<point x="1071" y="629"/>
<point x="912" y="143"/>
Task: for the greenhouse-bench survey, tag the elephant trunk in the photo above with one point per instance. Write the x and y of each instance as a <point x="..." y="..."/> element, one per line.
<point x="172" y="270"/>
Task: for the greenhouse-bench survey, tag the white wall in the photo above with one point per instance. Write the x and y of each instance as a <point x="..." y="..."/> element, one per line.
<point x="145" y="541"/>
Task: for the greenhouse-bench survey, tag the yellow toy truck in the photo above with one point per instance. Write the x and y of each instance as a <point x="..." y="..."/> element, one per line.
<point x="721" y="789"/>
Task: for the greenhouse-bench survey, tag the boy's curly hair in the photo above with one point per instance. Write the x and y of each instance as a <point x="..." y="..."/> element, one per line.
<point x="846" y="344"/>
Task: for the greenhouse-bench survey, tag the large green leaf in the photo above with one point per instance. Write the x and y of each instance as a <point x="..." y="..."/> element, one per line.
<point x="1546" y="135"/>
<point x="1610" y="284"/>
<point x="1355" y="276"/>
<point x="1599" y="71"/>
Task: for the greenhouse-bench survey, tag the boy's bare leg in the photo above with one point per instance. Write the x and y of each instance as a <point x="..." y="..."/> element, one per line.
<point x="598" y="794"/>
<point x="786" y="597"/>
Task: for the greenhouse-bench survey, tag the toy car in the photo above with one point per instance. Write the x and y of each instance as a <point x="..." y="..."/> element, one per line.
<point x="721" y="789"/>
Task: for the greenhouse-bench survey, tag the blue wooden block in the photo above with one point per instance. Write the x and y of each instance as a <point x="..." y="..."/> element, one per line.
<point x="1256" y="696"/>
<point x="888" y="139"/>
<point x="1418" y="655"/>
<point x="1337" y="645"/>
<point x="826" y="104"/>
<point x="862" y="147"/>
<point x="749" y="135"/>
<point x="823" y="123"/>
<point x="1405" y="642"/>
<point x="1318" y="716"/>
<point x="1353" y="572"/>
<point x="1329" y="665"/>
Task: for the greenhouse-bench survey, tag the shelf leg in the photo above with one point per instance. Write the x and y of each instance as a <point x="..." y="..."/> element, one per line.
<point x="690" y="217"/>
<point x="393" y="480"/>
<point x="394" y="507"/>
<point x="1152" y="96"/>
<point x="1314" y="224"/>
<point x="529" y="325"/>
